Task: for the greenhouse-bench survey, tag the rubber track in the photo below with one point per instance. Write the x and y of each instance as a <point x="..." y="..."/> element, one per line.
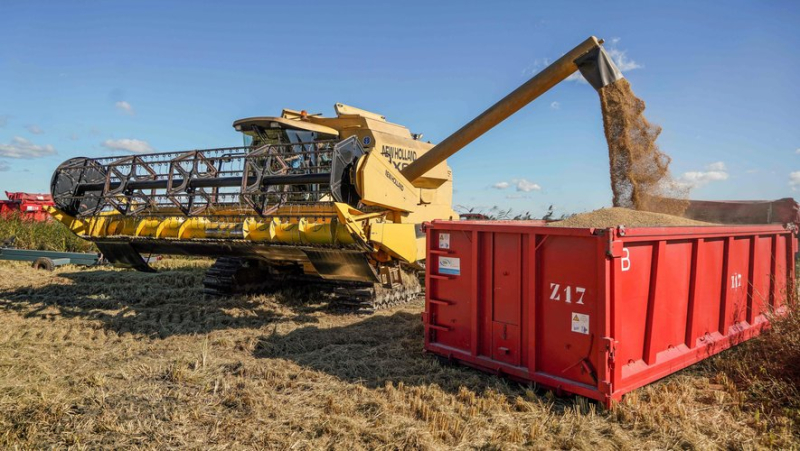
<point x="368" y="299"/>
<point x="229" y="275"/>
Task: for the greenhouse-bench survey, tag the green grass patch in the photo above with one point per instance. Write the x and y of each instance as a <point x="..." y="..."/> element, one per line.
<point x="45" y="236"/>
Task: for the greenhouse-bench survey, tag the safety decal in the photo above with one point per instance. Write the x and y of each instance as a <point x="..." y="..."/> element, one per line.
<point x="450" y="265"/>
<point x="444" y="241"/>
<point x="580" y="323"/>
<point x="367" y="140"/>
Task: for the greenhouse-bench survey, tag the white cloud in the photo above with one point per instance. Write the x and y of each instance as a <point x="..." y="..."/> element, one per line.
<point x="4" y="120"/>
<point x="526" y="185"/>
<point x="702" y="177"/>
<point x="794" y="180"/>
<point x="20" y="147"/>
<point x="797" y="151"/>
<point x="128" y="145"/>
<point x="620" y="58"/>
<point x="124" y="107"/>
<point x="715" y="172"/>
<point x="35" y="129"/>
<point x="577" y="76"/>
<point x="535" y="67"/>
<point x="752" y="171"/>
<point x="555" y="105"/>
<point x="501" y="185"/>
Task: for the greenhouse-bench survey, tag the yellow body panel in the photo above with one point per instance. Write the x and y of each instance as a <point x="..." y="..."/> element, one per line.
<point x="394" y="239"/>
<point x="380" y="184"/>
<point x="75" y="225"/>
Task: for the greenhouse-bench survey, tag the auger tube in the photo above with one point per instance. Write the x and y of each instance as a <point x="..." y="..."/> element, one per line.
<point x="510" y="104"/>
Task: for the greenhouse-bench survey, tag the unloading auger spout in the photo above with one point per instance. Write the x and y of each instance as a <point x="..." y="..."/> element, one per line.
<point x="588" y="57"/>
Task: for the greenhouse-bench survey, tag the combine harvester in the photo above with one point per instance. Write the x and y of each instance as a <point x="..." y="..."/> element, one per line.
<point x="340" y="199"/>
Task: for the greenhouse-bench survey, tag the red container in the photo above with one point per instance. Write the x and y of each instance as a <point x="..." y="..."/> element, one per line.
<point x="29" y="205"/>
<point x="599" y="312"/>
<point x="44" y="199"/>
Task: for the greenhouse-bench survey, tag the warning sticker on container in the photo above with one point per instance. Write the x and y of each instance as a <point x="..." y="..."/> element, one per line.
<point x="450" y="265"/>
<point x="444" y="241"/>
<point x="580" y="323"/>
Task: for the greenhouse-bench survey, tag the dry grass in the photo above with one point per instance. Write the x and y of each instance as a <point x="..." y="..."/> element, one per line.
<point x="105" y="358"/>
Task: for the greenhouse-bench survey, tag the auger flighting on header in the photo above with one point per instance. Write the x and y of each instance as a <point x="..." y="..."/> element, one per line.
<point x="307" y="197"/>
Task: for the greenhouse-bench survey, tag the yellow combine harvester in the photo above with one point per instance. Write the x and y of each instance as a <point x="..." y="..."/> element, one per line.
<point x="306" y="198"/>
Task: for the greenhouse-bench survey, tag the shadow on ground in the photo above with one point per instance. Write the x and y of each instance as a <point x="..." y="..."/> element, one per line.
<point x="371" y="351"/>
<point x="382" y="349"/>
<point x="169" y="302"/>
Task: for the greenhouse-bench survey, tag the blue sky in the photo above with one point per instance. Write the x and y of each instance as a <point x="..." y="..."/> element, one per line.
<point x="95" y="78"/>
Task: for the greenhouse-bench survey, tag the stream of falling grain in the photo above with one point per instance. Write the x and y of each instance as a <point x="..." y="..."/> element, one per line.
<point x="640" y="177"/>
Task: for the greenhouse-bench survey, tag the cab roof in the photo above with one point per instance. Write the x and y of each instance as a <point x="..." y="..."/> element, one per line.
<point x="269" y="122"/>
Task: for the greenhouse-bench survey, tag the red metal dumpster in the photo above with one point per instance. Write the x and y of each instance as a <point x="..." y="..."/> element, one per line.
<point x="29" y="205"/>
<point x="599" y="312"/>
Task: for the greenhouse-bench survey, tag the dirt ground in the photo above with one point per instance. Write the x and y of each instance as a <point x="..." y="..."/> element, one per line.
<point x="104" y="358"/>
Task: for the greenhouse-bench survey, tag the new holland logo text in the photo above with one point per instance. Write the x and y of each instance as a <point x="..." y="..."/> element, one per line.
<point x="394" y="180"/>
<point x="398" y="156"/>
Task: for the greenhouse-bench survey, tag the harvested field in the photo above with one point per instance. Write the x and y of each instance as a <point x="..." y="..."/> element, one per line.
<point x="612" y="217"/>
<point x="108" y="358"/>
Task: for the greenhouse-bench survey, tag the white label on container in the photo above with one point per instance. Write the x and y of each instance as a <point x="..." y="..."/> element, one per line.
<point x="450" y="265"/>
<point x="626" y="259"/>
<point x="580" y="323"/>
<point x="444" y="241"/>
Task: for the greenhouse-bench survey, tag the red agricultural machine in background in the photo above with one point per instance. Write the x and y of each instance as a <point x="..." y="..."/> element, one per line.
<point x="781" y="211"/>
<point x="29" y="205"/>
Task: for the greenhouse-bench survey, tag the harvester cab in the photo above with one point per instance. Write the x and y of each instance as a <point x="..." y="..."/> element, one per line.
<point x="306" y="198"/>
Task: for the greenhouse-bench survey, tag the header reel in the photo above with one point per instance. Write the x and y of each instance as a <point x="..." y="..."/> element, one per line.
<point x="226" y="181"/>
